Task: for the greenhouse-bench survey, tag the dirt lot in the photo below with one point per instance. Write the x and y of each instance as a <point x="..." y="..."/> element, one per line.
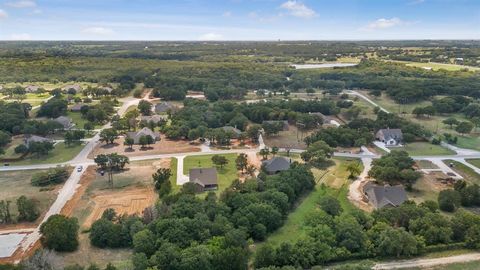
<point x="164" y="146"/>
<point x="293" y="138"/>
<point x="132" y="192"/>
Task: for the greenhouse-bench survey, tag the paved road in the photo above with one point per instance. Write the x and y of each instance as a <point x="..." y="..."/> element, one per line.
<point x="425" y="263"/>
<point x="355" y="93"/>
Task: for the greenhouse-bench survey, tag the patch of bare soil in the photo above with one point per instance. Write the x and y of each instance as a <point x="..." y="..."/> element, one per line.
<point x="164" y="146"/>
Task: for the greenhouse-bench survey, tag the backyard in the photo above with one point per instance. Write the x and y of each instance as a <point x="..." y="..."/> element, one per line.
<point x="225" y="175"/>
<point x="336" y="176"/>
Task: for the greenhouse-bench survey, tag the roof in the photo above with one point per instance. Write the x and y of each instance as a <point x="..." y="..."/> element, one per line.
<point x="381" y="196"/>
<point x="64" y="121"/>
<point x="76" y="87"/>
<point x="154" y="118"/>
<point x="234" y="130"/>
<point x="393" y="133"/>
<point x="77" y="107"/>
<point x="276" y="164"/>
<point x="34" y="138"/>
<point x="31" y="88"/>
<point x="107" y="88"/>
<point x="164" y="107"/>
<point x="203" y="176"/>
<point x="143" y="132"/>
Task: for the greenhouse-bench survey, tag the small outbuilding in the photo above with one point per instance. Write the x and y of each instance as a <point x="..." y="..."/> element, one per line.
<point x="153" y="118"/>
<point x="164" y="107"/>
<point x="391" y="137"/>
<point x="276" y="165"/>
<point x="235" y="131"/>
<point x="204" y="178"/>
<point x="28" y="139"/>
<point x="385" y="196"/>
<point x="32" y="88"/>
<point x="77" y="107"/>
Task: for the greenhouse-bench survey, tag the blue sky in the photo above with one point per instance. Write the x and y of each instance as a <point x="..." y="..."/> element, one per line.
<point x="239" y="19"/>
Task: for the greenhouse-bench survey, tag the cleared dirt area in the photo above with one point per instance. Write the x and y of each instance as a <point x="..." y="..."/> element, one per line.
<point x="293" y="138"/>
<point x="428" y="187"/>
<point x="164" y="146"/>
<point x="132" y="192"/>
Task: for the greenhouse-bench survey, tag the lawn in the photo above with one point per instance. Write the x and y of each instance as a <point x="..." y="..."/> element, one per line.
<point x="468" y="142"/>
<point x="10" y="149"/>
<point x="426" y="149"/>
<point x="474" y="162"/>
<point x="437" y="66"/>
<point x="78" y="120"/>
<point x="466" y="172"/>
<point x="61" y="153"/>
<point x="17" y="183"/>
<point x="226" y="175"/>
<point x="390" y="105"/>
<point x="335" y="175"/>
<point x="293" y="138"/>
<point x="173" y="177"/>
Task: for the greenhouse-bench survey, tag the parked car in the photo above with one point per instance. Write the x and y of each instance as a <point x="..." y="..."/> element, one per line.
<point x="80" y="168"/>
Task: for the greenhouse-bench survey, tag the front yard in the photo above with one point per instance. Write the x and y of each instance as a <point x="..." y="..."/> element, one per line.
<point x="425" y="149"/>
<point x="61" y="153"/>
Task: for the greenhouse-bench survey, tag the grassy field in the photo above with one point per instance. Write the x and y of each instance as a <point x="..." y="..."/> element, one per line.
<point x="426" y="149"/>
<point x="291" y="138"/>
<point x="17" y="183"/>
<point x="61" y="153"/>
<point x="78" y="120"/>
<point x="437" y="66"/>
<point x="10" y="149"/>
<point x="173" y="178"/>
<point x="390" y="105"/>
<point x="226" y="175"/>
<point x="474" y="162"/>
<point x="466" y="172"/>
<point x="336" y="176"/>
<point x="50" y="86"/>
<point x="469" y="142"/>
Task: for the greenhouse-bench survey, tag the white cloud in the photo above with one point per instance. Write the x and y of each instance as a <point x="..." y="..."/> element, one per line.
<point x="298" y="9"/>
<point x="22" y="4"/>
<point x="101" y="31"/>
<point x="22" y="36"/>
<point x="227" y="14"/>
<point x="384" y="23"/>
<point x="210" y="36"/>
<point x="3" y="14"/>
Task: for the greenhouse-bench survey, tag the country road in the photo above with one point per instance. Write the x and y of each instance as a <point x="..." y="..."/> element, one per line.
<point x="362" y="96"/>
<point x="425" y="263"/>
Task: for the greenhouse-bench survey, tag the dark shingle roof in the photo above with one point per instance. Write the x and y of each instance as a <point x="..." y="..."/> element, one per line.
<point x="276" y="164"/>
<point x="164" y="107"/>
<point x="203" y="176"/>
<point x="381" y="196"/>
<point x="394" y="133"/>
<point x="234" y="130"/>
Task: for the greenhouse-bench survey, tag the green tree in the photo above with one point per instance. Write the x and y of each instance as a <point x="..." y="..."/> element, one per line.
<point x="145" y="107"/>
<point x="60" y="233"/>
<point x="451" y="121"/>
<point x="219" y="160"/>
<point x="144" y="242"/>
<point x="264" y="152"/>
<point x="161" y="176"/>
<point x="330" y="205"/>
<point x="317" y="152"/>
<point x="449" y="200"/>
<point x="130" y="142"/>
<point x="354" y="169"/>
<point x="241" y="162"/>
<point x="27" y="209"/>
<point x="108" y="135"/>
<point x="464" y="127"/>
<point x="274" y="151"/>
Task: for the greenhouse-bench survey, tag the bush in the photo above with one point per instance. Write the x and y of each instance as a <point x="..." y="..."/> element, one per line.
<point x="21" y="149"/>
<point x="51" y="177"/>
<point x="60" y="233"/>
<point x="449" y="200"/>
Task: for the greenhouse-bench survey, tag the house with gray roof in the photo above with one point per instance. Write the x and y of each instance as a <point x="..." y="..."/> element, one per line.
<point x="164" y="107"/>
<point x="153" y="118"/>
<point x="28" y="139"/>
<point x="75" y="87"/>
<point x="32" y="88"/>
<point x="77" y="107"/>
<point x="385" y="196"/>
<point x="276" y="165"/>
<point x="66" y="122"/>
<point x="204" y="178"/>
<point x="391" y="137"/>
<point x="143" y="132"/>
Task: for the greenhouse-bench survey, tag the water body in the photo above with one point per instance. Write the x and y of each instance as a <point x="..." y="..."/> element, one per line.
<point x="329" y="65"/>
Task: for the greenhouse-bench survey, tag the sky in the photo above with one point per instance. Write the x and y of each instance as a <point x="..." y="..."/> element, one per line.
<point x="239" y="19"/>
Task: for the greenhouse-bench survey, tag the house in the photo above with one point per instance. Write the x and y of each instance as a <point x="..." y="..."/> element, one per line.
<point x="28" y="139"/>
<point x="284" y="123"/>
<point x="66" y="122"/>
<point x="77" y="107"/>
<point x="32" y="88"/>
<point x="385" y="196"/>
<point x="276" y="165"/>
<point x="204" y="178"/>
<point x="75" y="87"/>
<point x="153" y="118"/>
<point x="107" y="88"/>
<point x="391" y="137"/>
<point x="235" y="131"/>
<point x="164" y="107"/>
<point x="143" y="132"/>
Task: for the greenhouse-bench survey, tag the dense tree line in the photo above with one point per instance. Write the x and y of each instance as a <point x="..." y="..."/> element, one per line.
<point x="395" y="168"/>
